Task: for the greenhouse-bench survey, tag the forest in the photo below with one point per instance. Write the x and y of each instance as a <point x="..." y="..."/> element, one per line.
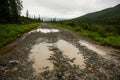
<point x="10" y="12"/>
<point x="12" y="23"/>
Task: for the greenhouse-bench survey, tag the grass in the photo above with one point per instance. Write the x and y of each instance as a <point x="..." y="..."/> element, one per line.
<point x="9" y="32"/>
<point x="107" y="38"/>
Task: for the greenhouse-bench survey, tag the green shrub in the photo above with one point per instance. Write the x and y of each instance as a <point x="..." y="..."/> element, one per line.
<point x="106" y="34"/>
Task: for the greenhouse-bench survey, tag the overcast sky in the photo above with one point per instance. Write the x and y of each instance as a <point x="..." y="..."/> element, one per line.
<point x="65" y="8"/>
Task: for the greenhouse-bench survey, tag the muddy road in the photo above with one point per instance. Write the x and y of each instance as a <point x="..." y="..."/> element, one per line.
<point x="51" y="53"/>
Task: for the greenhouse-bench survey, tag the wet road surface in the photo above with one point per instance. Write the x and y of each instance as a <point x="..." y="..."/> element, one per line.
<point x="52" y="53"/>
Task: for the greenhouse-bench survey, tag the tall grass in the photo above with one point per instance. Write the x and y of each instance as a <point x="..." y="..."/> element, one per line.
<point x="9" y="32"/>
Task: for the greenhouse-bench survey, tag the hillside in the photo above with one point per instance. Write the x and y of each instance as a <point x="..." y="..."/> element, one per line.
<point x="102" y="26"/>
<point x="106" y="16"/>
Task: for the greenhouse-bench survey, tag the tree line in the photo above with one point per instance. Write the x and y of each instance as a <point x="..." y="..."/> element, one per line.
<point x="28" y="18"/>
<point x="10" y="11"/>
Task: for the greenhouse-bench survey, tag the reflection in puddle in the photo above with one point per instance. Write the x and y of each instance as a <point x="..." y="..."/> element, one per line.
<point x="96" y="48"/>
<point x="48" y="30"/>
<point x="44" y="30"/>
<point x="71" y="51"/>
<point x="40" y="54"/>
<point x="91" y="47"/>
<point x="40" y="30"/>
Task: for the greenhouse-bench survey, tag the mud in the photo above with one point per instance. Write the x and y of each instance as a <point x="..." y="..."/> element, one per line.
<point x="59" y="55"/>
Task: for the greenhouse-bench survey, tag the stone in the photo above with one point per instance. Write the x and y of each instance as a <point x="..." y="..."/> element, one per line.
<point x="13" y="62"/>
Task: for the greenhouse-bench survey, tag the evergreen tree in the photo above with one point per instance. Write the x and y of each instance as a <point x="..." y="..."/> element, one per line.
<point x="15" y="10"/>
<point x="10" y="11"/>
<point x="27" y="14"/>
<point x="4" y="11"/>
<point x="39" y="18"/>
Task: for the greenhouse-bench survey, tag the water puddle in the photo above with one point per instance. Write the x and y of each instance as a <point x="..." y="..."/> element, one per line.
<point x="71" y="52"/>
<point x="45" y="30"/>
<point x="41" y="52"/>
<point x="39" y="55"/>
<point x="42" y="30"/>
<point x="96" y="48"/>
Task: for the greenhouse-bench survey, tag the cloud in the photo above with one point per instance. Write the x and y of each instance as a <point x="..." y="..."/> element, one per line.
<point x="65" y="8"/>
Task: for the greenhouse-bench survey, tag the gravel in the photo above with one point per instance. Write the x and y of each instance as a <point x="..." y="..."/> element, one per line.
<point x="15" y="64"/>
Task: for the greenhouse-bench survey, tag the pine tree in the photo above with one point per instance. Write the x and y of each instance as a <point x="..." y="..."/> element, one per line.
<point x="10" y="11"/>
<point x="27" y="14"/>
<point x="4" y="11"/>
<point x="15" y="10"/>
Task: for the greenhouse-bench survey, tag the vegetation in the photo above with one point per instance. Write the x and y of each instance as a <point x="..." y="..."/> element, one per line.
<point x="102" y="26"/>
<point x="9" y="32"/>
<point x="10" y="11"/>
<point x="106" y="16"/>
<point x="106" y="34"/>
<point x="12" y="23"/>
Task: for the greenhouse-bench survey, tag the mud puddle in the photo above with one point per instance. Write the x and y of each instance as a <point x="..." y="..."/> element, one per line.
<point x="71" y="52"/>
<point x="40" y="54"/>
<point x="41" y="30"/>
<point x="103" y="51"/>
<point x="44" y="30"/>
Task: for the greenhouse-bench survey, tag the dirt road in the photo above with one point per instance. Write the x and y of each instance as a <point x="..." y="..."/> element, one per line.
<point x="51" y="53"/>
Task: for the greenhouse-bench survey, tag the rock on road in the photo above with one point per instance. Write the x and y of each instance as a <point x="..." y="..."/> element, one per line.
<point x="52" y="53"/>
